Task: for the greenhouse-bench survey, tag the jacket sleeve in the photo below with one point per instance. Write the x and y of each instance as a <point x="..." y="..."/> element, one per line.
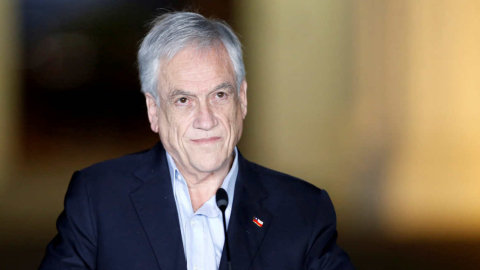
<point x="324" y="253"/>
<point x="75" y="245"/>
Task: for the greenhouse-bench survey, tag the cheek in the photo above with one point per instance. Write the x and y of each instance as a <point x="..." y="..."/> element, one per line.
<point x="228" y="117"/>
<point x="179" y="125"/>
<point x="238" y="119"/>
<point x="236" y="116"/>
<point x="233" y="123"/>
<point x="167" y="124"/>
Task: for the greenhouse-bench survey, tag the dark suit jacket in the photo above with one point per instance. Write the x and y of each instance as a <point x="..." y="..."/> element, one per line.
<point x="121" y="214"/>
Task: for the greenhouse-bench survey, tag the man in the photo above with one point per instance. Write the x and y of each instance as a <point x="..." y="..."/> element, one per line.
<point x="156" y="209"/>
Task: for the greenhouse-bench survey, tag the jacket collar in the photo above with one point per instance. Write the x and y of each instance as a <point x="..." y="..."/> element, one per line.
<point x="244" y="235"/>
<point x="155" y="205"/>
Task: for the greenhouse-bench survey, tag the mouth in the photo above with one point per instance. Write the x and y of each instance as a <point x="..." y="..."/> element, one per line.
<point x="206" y="140"/>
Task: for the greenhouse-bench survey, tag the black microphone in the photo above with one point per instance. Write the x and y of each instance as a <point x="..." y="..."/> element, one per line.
<point x="222" y="203"/>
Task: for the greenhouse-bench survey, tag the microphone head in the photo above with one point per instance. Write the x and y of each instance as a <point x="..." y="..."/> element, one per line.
<point x="222" y="199"/>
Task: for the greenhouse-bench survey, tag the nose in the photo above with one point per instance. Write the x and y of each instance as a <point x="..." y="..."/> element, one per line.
<point x="204" y="118"/>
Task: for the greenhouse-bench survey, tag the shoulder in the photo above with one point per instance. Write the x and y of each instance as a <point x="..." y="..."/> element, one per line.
<point x="290" y="198"/>
<point x="116" y="174"/>
<point x="110" y="182"/>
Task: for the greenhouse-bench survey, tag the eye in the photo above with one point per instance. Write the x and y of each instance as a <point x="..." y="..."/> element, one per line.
<point x="221" y="94"/>
<point x="182" y="100"/>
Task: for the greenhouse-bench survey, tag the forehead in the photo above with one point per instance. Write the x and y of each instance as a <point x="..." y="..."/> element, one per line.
<point x="197" y="66"/>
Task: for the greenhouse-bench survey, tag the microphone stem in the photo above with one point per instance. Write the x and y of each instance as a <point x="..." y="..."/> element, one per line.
<point x="226" y="240"/>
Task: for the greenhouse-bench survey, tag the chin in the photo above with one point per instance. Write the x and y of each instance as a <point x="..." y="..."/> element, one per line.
<point x="209" y="164"/>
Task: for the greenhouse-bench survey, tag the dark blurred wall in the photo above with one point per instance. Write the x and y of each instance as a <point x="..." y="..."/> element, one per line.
<point x="72" y="98"/>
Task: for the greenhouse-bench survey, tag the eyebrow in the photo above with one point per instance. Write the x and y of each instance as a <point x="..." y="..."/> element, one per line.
<point x="180" y="92"/>
<point x="224" y="85"/>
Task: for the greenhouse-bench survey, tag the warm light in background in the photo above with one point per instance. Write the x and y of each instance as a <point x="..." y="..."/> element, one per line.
<point x="432" y="184"/>
<point x="298" y="69"/>
<point x="376" y="101"/>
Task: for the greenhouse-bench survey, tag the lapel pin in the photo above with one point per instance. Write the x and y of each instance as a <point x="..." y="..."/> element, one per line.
<point x="258" y="222"/>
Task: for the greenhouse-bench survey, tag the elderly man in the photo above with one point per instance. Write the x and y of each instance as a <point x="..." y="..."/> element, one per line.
<point x="156" y="209"/>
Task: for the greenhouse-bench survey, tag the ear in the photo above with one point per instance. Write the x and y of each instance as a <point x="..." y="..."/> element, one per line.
<point x="152" y="111"/>
<point x="243" y="98"/>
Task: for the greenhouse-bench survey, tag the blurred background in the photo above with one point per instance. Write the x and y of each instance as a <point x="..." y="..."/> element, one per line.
<point x="375" y="101"/>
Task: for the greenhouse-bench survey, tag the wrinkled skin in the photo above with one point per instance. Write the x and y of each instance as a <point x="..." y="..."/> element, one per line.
<point x="200" y="115"/>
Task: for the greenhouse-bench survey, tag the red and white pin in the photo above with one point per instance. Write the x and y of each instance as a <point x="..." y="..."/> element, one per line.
<point x="258" y="222"/>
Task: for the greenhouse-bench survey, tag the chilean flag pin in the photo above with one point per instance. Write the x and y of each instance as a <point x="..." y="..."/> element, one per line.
<point x="258" y="222"/>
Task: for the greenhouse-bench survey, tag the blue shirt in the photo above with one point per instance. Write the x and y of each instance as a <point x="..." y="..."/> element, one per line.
<point x="202" y="231"/>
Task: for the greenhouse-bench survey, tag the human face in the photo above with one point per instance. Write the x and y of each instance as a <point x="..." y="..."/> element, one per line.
<point x="200" y="115"/>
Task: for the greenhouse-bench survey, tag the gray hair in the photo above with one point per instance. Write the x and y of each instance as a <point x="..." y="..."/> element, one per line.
<point x="172" y="32"/>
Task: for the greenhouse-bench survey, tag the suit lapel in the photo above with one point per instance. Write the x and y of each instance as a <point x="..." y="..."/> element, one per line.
<point x="156" y="208"/>
<point x="244" y="235"/>
<point x="155" y="205"/>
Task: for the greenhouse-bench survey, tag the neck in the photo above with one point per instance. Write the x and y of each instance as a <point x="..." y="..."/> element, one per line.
<point x="203" y="185"/>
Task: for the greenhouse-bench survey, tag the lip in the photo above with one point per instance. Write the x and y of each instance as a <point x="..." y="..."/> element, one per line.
<point x="206" y="140"/>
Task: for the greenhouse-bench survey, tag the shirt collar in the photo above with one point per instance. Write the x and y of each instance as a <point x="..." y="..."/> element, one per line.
<point x="228" y="183"/>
